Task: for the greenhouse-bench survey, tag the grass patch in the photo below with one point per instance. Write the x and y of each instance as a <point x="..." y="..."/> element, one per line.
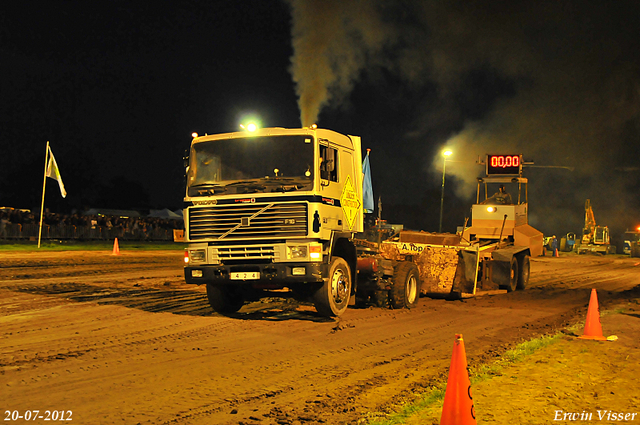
<point x="73" y="245"/>
<point x="618" y="310"/>
<point x="487" y="371"/>
<point x="425" y="401"/>
<point x="477" y="374"/>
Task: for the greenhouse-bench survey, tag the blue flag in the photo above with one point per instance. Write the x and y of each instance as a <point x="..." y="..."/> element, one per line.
<point x="367" y="188"/>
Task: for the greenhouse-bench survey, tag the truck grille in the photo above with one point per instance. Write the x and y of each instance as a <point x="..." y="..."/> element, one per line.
<point x="248" y="221"/>
<point x="250" y="252"/>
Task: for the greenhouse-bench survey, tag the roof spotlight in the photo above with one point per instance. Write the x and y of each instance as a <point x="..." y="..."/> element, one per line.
<point x="250" y="126"/>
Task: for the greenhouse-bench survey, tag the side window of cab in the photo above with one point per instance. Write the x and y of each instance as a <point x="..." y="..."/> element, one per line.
<point x="328" y="163"/>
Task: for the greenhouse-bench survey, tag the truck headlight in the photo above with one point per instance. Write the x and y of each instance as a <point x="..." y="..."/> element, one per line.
<point x="299" y="251"/>
<point x="197" y="256"/>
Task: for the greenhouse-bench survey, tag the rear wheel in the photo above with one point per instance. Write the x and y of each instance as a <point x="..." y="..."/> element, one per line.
<point x="332" y="298"/>
<point x="225" y="299"/>
<point x="513" y="275"/>
<point x="524" y="267"/>
<point x="406" y="286"/>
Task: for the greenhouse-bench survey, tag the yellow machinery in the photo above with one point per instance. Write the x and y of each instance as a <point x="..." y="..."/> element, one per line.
<point x="594" y="238"/>
<point x="492" y="254"/>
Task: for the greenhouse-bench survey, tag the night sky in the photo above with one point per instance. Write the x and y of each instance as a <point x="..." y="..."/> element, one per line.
<point x="118" y="87"/>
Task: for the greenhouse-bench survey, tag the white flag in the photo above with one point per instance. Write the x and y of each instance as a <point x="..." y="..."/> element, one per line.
<point x="54" y="172"/>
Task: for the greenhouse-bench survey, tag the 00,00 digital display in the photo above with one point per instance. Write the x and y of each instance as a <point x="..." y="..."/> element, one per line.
<point x="503" y="164"/>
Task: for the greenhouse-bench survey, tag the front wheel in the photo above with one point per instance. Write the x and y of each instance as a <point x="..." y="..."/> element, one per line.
<point x="332" y="298"/>
<point x="225" y="299"/>
<point x="406" y="286"/>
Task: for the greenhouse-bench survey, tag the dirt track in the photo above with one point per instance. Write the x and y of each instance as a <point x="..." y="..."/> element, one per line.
<point x="121" y="339"/>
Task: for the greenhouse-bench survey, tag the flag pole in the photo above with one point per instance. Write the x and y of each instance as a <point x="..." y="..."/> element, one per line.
<point x="44" y="185"/>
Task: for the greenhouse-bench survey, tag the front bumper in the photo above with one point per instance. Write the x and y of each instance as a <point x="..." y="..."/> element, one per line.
<point x="273" y="273"/>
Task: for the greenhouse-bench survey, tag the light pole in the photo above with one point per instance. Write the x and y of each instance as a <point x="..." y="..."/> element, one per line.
<point x="446" y="153"/>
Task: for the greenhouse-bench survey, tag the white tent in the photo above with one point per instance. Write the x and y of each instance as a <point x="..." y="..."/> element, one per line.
<point x="119" y="213"/>
<point x="164" y="213"/>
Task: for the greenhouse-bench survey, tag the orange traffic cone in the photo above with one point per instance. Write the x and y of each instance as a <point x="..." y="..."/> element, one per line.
<point x="592" y="326"/>
<point x="556" y="253"/>
<point x="458" y="402"/>
<point x="116" y="248"/>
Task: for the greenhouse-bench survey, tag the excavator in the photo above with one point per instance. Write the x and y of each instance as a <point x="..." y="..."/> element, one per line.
<point x="594" y="238"/>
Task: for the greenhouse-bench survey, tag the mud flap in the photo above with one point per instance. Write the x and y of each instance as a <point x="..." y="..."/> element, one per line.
<point x="500" y="272"/>
<point x="466" y="270"/>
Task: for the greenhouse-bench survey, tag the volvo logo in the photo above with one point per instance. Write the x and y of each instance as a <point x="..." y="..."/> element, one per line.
<point x="208" y="202"/>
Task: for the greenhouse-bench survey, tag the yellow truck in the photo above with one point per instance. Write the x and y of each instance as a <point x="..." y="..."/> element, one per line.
<point x="274" y="208"/>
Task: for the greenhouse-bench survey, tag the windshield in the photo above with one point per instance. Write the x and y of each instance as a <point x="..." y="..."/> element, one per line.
<point x="504" y="194"/>
<point x="270" y="163"/>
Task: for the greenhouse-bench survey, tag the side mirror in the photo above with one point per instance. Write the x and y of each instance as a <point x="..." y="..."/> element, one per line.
<point x="331" y="160"/>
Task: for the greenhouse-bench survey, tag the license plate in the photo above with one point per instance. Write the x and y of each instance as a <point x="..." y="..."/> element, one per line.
<point x="245" y="276"/>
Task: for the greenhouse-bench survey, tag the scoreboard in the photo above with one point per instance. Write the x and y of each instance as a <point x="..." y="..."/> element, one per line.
<point x="504" y="165"/>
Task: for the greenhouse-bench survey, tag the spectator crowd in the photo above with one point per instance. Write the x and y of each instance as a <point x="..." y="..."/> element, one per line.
<point x="24" y="224"/>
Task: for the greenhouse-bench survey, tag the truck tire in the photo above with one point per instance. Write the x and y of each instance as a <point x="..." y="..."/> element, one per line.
<point x="513" y="275"/>
<point x="225" y="299"/>
<point x="505" y="274"/>
<point x="405" y="291"/>
<point x="524" y="268"/>
<point x="332" y="298"/>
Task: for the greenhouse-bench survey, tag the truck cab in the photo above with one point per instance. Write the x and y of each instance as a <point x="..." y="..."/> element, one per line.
<point x="272" y="209"/>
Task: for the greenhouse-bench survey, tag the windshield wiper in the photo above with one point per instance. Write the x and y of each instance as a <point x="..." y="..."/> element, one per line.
<point x="208" y="188"/>
<point x="247" y="185"/>
<point x="242" y="182"/>
<point x="288" y="184"/>
<point x="207" y="185"/>
<point x="288" y="187"/>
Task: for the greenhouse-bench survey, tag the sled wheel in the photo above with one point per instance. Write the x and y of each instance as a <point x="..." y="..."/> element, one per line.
<point x="406" y="286"/>
<point x="513" y="275"/>
<point x="524" y="268"/>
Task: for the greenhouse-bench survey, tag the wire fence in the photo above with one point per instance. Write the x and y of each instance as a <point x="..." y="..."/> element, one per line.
<point x="14" y="231"/>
